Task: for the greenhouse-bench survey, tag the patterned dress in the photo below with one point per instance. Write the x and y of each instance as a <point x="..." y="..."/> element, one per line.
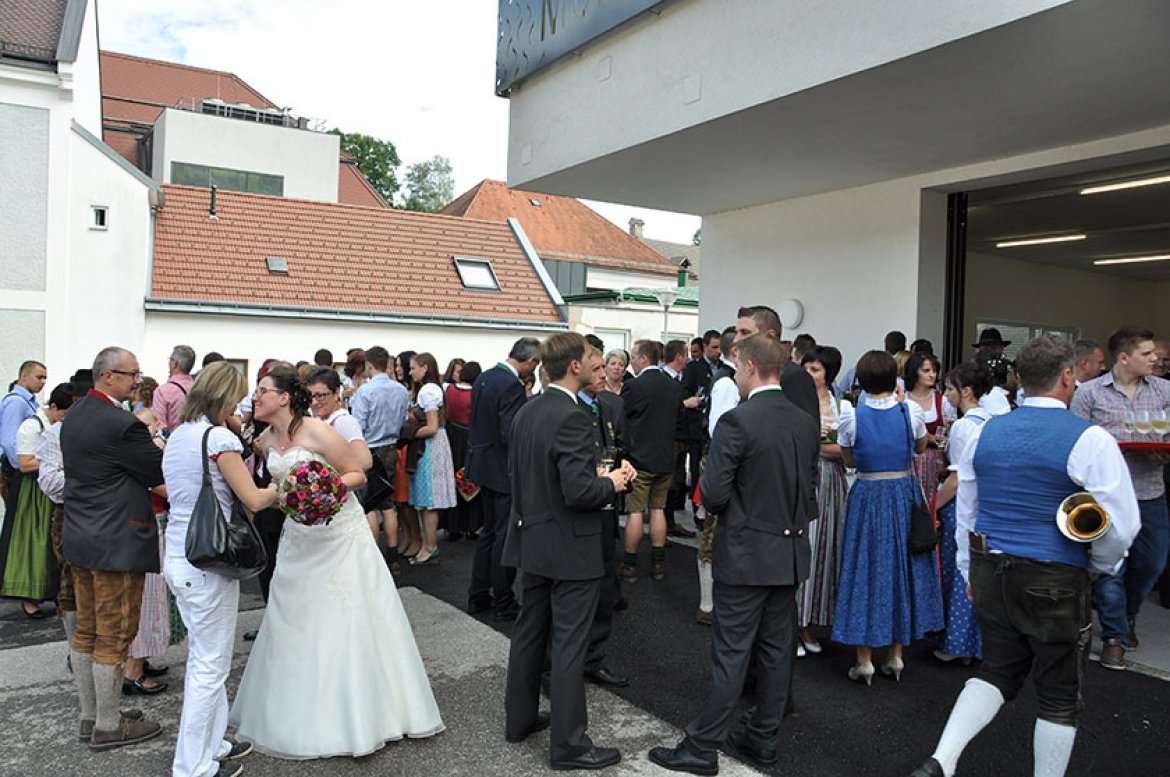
<point x="885" y="594"/>
<point x="931" y="465"/>
<point x="432" y="484"/>
<point x="818" y="594"/>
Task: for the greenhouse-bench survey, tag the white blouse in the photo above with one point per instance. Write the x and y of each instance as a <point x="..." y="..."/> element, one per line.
<point x="430" y="397"/>
<point x="847" y="431"/>
<point x="962" y="433"/>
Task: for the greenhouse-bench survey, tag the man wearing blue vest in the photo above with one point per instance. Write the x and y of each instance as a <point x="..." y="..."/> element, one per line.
<point x="1012" y="480"/>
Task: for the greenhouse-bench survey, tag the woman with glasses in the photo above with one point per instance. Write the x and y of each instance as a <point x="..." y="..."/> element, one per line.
<point x="332" y="599"/>
<point x="324" y="386"/>
<point x="208" y="602"/>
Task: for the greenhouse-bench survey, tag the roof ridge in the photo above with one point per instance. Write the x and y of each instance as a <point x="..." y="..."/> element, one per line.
<point x="185" y="66"/>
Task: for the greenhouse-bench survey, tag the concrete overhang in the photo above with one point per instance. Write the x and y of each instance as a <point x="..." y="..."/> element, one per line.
<point x="1085" y="70"/>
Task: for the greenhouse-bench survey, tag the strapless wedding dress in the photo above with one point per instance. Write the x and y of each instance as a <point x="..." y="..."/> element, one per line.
<point x="334" y="669"/>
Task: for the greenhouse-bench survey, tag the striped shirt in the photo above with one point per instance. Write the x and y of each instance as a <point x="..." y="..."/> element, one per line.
<point x="1100" y="402"/>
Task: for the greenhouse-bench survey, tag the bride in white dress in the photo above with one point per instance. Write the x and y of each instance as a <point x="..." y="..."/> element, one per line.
<point x="335" y="669"/>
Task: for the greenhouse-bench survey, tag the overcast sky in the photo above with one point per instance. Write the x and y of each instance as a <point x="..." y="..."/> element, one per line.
<point x="419" y="74"/>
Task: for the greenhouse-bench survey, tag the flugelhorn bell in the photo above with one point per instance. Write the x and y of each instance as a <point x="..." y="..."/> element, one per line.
<point x="1081" y="517"/>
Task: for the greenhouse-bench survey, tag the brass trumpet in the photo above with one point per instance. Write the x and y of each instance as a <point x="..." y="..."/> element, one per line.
<point x="1081" y="517"/>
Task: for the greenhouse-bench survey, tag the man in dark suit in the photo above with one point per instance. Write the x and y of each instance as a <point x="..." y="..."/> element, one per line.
<point x="674" y="363"/>
<point x="554" y="539"/>
<point x="653" y="402"/>
<point x="797" y="384"/>
<point x="759" y="481"/>
<point x="110" y="538"/>
<point x="696" y="381"/>
<point x="496" y="397"/>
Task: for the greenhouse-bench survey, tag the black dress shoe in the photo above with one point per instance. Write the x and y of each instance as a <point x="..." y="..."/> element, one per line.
<point x="154" y="671"/>
<point x="593" y="758"/>
<point x="605" y="678"/>
<point x="543" y="721"/>
<point x="506" y="614"/>
<point x="743" y="747"/>
<point x="931" y="768"/>
<point x="139" y="686"/>
<point x="680" y="759"/>
<point x="476" y="605"/>
<point x="621" y="604"/>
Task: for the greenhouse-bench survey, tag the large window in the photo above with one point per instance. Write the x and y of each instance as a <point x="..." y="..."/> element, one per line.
<point x="225" y="178"/>
<point x="1018" y="334"/>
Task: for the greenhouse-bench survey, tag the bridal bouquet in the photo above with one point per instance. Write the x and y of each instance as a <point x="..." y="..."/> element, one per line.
<point x="312" y="493"/>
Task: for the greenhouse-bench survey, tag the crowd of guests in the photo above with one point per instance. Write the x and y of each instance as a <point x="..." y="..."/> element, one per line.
<point x="434" y="456"/>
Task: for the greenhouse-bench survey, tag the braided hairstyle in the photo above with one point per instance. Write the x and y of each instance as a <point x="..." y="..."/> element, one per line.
<point x="970" y="374"/>
<point x="284" y="378"/>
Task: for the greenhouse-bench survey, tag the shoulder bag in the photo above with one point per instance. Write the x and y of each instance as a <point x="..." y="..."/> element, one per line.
<point x="229" y="548"/>
<point x="923" y="536"/>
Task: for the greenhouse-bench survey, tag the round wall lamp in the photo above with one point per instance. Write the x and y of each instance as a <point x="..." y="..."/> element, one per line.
<point x="791" y="313"/>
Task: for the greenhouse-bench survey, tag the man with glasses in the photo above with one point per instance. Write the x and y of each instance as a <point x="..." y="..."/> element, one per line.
<point x="110" y="538"/>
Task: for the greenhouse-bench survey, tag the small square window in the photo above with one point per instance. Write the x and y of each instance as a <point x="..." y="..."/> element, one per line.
<point x="476" y="273"/>
<point x="99" y="217"/>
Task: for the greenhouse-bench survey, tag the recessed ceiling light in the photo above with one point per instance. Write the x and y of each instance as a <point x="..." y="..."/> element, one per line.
<point x="1035" y="241"/>
<point x="1134" y="259"/>
<point x="1113" y="187"/>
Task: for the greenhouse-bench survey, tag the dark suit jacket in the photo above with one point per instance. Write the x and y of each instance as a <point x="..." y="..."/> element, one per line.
<point x="801" y="391"/>
<point x="109" y="462"/>
<point x="495" y="398"/>
<point x="613" y="416"/>
<point x="653" y="402"/>
<point x="759" y="480"/>
<point x="696" y="376"/>
<point x="557" y="496"/>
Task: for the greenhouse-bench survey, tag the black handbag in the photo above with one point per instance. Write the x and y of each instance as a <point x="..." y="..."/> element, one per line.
<point x="923" y="536"/>
<point x="229" y="548"/>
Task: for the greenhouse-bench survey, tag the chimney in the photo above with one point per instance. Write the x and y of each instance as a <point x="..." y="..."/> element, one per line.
<point x="636" y="226"/>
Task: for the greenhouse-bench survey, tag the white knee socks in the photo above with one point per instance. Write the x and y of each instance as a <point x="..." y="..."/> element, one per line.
<point x="976" y="706"/>
<point x="1052" y="746"/>
<point x="69" y="621"/>
<point x="706" y="585"/>
<point x="83" y="677"/>
<point x="107" y="684"/>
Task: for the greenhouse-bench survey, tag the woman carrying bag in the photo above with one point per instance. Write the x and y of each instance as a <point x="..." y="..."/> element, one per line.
<point x="208" y="601"/>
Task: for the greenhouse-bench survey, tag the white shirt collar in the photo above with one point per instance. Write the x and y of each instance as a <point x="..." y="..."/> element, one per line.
<point x="883" y="403"/>
<point x="1043" y="402"/>
<point x="510" y="369"/>
<point x="564" y="391"/>
<point x="768" y="387"/>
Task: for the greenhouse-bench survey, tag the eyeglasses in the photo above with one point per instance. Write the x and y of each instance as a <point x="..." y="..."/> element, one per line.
<point x="262" y="390"/>
<point x="321" y="395"/>
<point x="133" y="374"/>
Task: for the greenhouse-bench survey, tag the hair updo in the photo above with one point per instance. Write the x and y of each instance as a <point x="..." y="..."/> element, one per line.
<point x="284" y="378"/>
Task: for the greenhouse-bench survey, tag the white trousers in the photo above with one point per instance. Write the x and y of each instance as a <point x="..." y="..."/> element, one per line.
<point x="209" y="604"/>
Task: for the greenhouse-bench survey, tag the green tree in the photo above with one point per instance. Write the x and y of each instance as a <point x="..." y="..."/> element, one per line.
<point x="429" y="185"/>
<point x="377" y="159"/>
<point x="697" y="239"/>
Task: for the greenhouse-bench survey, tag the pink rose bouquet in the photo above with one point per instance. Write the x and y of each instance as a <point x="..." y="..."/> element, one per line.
<point x="312" y="493"/>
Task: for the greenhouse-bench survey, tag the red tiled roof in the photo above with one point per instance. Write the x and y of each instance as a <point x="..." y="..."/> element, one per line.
<point x="30" y="29"/>
<point x="340" y="257"/>
<point x="353" y="188"/>
<point x="561" y="227"/>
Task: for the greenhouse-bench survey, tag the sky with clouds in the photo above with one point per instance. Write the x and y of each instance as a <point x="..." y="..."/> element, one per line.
<point x="418" y="73"/>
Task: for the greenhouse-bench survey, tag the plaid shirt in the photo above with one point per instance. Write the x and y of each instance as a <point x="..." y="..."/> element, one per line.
<point x="1099" y="402"/>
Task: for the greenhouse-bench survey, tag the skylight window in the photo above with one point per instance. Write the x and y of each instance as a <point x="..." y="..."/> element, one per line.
<point x="476" y="273"/>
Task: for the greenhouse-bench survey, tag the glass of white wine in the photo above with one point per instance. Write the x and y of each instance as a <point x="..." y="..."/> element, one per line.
<point x="1128" y="422"/>
<point x="1160" y="421"/>
<point x="1142" y="423"/>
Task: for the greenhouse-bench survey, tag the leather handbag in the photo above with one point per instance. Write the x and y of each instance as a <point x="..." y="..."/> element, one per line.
<point x="923" y="536"/>
<point x="232" y="548"/>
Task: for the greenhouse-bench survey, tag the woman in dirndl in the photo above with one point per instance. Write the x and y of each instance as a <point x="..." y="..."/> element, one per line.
<point x="432" y="484"/>
<point x="921" y="376"/>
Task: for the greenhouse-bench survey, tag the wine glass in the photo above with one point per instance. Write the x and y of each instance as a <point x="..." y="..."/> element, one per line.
<point x="1128" y="422"/>
<point x="1160" y="421"/>
<point x="1142" y="423"/>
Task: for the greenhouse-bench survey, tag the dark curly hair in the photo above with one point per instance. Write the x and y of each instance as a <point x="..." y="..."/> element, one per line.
<point x="284" y="378"/>
<point x="970" y="374"/>
<point x="914" y="363"/>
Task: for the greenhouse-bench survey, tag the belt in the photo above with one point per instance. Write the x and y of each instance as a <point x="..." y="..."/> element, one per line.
<point x="903" y="473"/>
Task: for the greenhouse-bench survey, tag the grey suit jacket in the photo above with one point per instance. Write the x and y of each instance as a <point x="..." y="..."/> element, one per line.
<point x="759" y="480"/>
<point x="557" y="496"/>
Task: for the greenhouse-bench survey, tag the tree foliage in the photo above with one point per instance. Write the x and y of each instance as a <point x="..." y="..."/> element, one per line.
<point x="377" y="159"/>
<point x="429" y="185"/>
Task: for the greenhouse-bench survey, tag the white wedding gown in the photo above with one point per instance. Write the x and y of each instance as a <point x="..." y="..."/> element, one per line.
<point x="334" y="670"/>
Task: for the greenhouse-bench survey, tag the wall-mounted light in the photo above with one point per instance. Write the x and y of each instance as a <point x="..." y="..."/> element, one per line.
<point x="1035" y="241"/>
<point x="1115" y="187"/>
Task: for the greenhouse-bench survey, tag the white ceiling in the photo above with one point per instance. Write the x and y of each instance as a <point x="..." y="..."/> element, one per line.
<point x="1085" y="70"/>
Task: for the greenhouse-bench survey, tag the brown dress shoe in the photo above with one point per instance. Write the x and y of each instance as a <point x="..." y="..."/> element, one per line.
<point x="627" y="573"/>
<point x="658" y="571"/>
<point x="704" y="617"/>
<point x="128" y="732"/>
<point x="1113" y="655"/>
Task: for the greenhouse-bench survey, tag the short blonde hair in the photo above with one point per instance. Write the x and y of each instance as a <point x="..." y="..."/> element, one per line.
<point x="217" y="390"/>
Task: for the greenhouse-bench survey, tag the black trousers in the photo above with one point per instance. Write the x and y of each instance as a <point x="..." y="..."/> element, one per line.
<point x="1035" y="617"/>
<point x="269" y="523"/>
<point x="555" y="615"/>
<point x="489" y="577"/>
<point x="687" y="456"/>
<point x="609" y="591"/>
<point x="747" y="616"/>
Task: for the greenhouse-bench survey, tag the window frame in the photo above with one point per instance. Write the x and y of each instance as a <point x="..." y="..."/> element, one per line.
<point x="459" y="262"/>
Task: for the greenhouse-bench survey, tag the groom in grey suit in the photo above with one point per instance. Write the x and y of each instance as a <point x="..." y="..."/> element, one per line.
<point x="759" y="481"/>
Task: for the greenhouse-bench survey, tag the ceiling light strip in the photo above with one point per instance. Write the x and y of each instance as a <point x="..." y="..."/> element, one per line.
<point x="1115" y="187"/>
<point x="1035" y="241"/>
<point x="1133" y="259"/>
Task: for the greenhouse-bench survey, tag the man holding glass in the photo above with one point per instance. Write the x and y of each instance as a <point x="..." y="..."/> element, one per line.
<point x="1132" y="405"/>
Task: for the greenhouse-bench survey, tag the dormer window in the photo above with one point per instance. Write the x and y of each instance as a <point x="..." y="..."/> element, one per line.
<point x="476" y="273"/>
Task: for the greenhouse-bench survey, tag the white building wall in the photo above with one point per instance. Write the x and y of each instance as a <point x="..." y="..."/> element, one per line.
<point x="95" y="298"/>
<point x="692" y="61"/>
<point x="869" y="259"/>
<point x="256" y="339"/>
<point x="640" y="322"/>
<point x="307" y="160"/>
<point x="616" y="280"/>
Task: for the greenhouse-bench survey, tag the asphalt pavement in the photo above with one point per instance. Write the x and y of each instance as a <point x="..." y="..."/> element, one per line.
<point x="839" y="727"/>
